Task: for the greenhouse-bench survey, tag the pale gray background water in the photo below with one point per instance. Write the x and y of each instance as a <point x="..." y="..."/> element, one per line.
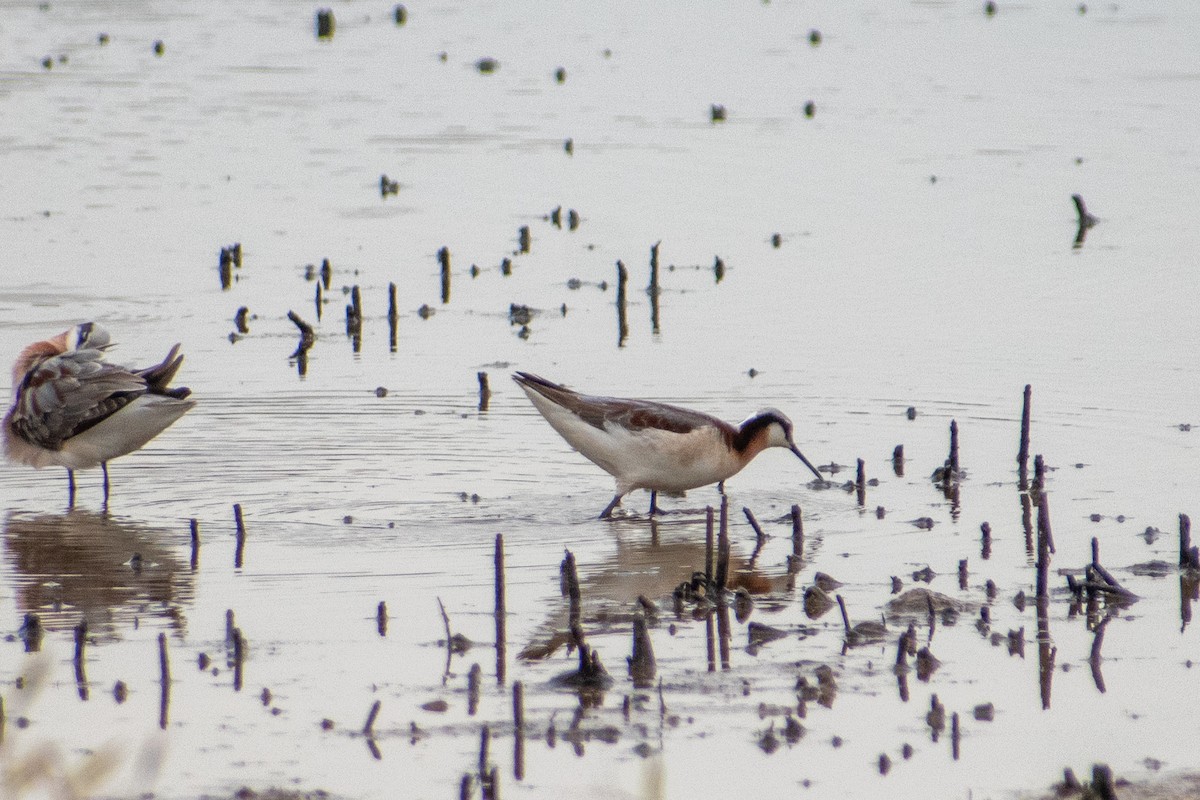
<point x="124" y="173"/>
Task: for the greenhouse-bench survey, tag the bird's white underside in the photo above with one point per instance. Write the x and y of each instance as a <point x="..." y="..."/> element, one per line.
<point x="125" y="431"/>
<point x="648" y="458"/>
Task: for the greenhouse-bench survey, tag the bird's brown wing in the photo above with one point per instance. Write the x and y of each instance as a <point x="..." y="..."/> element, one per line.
<point x="636" y="415"/>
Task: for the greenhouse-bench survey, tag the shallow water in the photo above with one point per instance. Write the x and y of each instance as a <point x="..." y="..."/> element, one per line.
<point x="926" y="259"/>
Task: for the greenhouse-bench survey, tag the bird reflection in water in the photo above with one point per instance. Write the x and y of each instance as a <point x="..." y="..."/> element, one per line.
<point x="103" y="569"/>
<point x="649" y="567"/>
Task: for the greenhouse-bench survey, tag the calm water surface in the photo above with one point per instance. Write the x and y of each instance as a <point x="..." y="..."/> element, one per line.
<point x="926" y="257"/>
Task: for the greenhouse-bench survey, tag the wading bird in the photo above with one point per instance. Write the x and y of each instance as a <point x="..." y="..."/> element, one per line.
<point x="654" y="446"/>
<point x="72" y="409"/>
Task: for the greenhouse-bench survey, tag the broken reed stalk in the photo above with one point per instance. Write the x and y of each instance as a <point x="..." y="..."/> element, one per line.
<point x="642" y="666"/>
<point x="622" y="326"/>
<point x="1094" y="658"/>
<point x="570" y="587"/>
<point x="860" y="482"/>
<point x="954" y="449"/>
<point x="986" y="547"/>
<point x="474" y="678"/>
<point x="652" y="289"/>
<point x="80" y="674"/>
<point x="898" y="460"/>
<point x="239" y="658"/>
<point x="954" y="735"/>
<point x="845" y="617"/>
<point x="962" y="574"/>
<point x="241" y="536"/>
<point x="369" y="726"/>
<point x="518" y="730"/>
<point x="195" y="530"/>
<point x="1189" y="556"/>
<point x="759" y="535"/>
<point x="381" y="618"/>
<point x="485" y="393"/>
<point x="723" y="633"/>
<point x="443" y="256"/>
<point x="1043" y="547"/>
<point x="318" y="301"/>
<point x="1102" y="782"/>
<point x="1023" y="452"/>
<point x="797" y="533"/>
<point x="485" y="734"/>
<point x="722" y="576"/>
<point x="307" y="334"/>
<point x="393" y="317"/>
<point x="164" y="668"/>
<point x="710" y="642"/>
<point x="1039" y="474"/>
<point x="708" y="544"/>
<point x="500" y="611"/>
<point x="446" y="623"/>
<point x="464" y="787"/>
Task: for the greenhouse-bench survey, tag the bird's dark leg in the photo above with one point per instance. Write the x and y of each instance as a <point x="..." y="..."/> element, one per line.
<point x="70" y="488"/>
<point x="654" y="509"/>
<point x="607" y="512"/>
<point x="721" y="488"/>
<point x="104" y="469"/>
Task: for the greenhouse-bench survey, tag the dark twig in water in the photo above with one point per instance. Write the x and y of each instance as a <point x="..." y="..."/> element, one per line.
<point x="1102" y="782"/>
<point x="307" y="337"/>
<point x="500" y="609"/>
<point x="570" y="587"/>
<point x="195" y="531"/>
<point x="1094" y="658"/>
<point x="443" y="256"/>
<point x="518" y="730"/>
<point x="239" y="658"/>
<point x="652" y="290"/>
<point x="622" y="326"/>
<point x="1023" y="451"/>
<point x="1044" y="547"/>
<point x="708" y="544"/>
<point x="369" y="726"/>
<point x="722" y="576"/>
<point x="449" y="638"/>
<point x="393" y="317"/>
<point x="164" y="670"/>
<point x="485" y="393"/>
<point x="642" y="666"/>
<point x="485" y="735"/>
<point x="954" y="471"/>
<point x="80" y="673"/>
<point x="797" y="537"/>
<point x="760" y="538"/>
<point x="474" y="678"/>
<point x="1084" y="220"/>
<point x="1189" y="555"/>
<point x="241" y="536"/>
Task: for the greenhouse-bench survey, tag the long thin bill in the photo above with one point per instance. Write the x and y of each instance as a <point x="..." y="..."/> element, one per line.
<point x="807" y="463"/>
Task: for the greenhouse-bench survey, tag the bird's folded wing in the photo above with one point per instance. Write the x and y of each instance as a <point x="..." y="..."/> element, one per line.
<point x="69" y="393"/>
